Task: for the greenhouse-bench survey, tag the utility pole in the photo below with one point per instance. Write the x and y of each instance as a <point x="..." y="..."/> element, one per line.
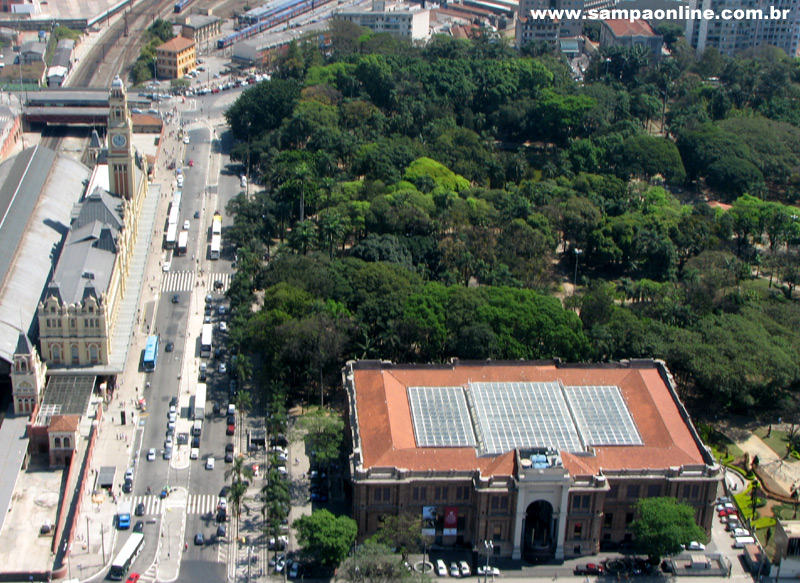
<point x="103" y="541"/>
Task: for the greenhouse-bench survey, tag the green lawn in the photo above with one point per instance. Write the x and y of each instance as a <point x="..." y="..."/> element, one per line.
<point x="777" y="440"/>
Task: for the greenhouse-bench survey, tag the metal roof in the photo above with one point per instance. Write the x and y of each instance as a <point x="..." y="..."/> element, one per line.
<point x="13" y="448"/>
<point x="37" y="192"/>
<point x="66" y="395"/>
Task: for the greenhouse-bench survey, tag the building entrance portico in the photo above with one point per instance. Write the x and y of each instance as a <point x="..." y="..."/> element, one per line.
<point x="537" y="534"/>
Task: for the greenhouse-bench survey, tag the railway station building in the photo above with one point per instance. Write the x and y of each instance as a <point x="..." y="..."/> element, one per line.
<point x="544" y="460"/>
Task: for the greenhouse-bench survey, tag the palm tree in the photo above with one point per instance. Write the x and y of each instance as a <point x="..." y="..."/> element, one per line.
<point x="242" y="367"/>
<point x="243" y="403"/>
<point x="302" y="236"/>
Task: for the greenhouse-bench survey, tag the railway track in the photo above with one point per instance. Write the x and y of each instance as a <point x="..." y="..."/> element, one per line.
<point x="115" y="53"/>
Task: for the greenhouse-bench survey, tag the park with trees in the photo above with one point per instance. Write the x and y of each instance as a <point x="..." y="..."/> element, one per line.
<point x="464" y="200"/>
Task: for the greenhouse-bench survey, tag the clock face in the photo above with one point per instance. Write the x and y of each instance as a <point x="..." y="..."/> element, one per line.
<point x="119" y="140"/>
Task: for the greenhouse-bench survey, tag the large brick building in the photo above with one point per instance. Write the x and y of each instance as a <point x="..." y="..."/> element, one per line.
<point x="543" y="459"/>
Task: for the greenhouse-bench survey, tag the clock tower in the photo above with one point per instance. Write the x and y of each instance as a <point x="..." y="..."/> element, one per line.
<point x="121" y="161"/>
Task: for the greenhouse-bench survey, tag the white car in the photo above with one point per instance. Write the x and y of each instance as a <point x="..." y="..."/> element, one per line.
<point x="168" y="442"/>
<point x="194" y="453"/>
<point x="222" y="504"/>
<point x="486" y="570"/>
<point x="465" y="570"/>
<point x="441" y="568"/>
<point x="172" y="409"/>
<point x="454" y="570"/>
<point x="223" y="368"/>
<point x="186" y="139"/>
<point x="186" y="225"/>
<point x="180" y="181"/>
<point x="151" y="454"/>
<point x="223" y="327"/>
<point x="166" y="266"/>
<point x="173" y="417"/>
<point x="696" y="546"/>
<point x="243" y="181"/>
<point x="210" y="463"/>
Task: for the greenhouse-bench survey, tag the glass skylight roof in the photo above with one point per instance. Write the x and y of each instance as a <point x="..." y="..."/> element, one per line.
<point x="510" y="415"/>
<point x="602" y="416"/>
<point x="506" y="416"/>
<point x="441" y="417"/>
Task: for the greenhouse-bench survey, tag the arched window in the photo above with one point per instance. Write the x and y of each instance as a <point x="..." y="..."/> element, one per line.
<point x="75" y="358"/>
<point x="57" y="442"/>
<point x="67" y="442"/>
<point x="93" y="353"/>
<point x="56" y="351"/>
<point x="22" y="365"/>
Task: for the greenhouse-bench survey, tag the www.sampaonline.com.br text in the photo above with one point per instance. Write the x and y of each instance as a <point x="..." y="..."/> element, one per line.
<point x="681" y="13"/>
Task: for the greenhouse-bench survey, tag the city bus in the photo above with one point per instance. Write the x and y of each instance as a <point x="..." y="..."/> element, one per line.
<point x="216" y="244"/>
<point x="130" y="550"/>
<point x="174" y="215"/>
<point x="216" y="225"/>
<point x="171" y="236"/>
<point x="183" y="243"/>
<point x="200" y="402"/>
<point x="205" y="340"/>
<point x="176" y="200"/>
<point x="150" y="354"/>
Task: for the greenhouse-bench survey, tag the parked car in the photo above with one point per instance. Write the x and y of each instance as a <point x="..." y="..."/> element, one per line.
<point x="465" y="570"/>
<point x="589" y="569"/>
<point x="484" y="570"/>
<point x="441" y="568"/>
<point x="186" y="139"/>
<point x="454" y="570"/>
<point x="696" y="546"/>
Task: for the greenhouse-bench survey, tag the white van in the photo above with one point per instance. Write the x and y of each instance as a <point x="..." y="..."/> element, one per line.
<point x="194" y="453"/>
<point x="742" y="541"/>
<point x="197" y="428"/>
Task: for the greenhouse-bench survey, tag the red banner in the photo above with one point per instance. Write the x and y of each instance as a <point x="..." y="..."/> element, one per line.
<point x="450" y="521"/>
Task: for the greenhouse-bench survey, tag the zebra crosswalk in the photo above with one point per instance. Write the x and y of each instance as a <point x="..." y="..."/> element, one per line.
<point x="152" y="504"/>
<point x="202" y="504"/>
<point x="176" y="281"/>
<point x="220" y="282"/>
<point x="196" y="504"/>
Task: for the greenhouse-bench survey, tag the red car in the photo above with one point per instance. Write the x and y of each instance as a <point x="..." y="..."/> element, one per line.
<point x="230" y="430"/>
<point x="191" y="162"/>
<point x="726" y="512"/>
<point x="133" y="578"/>
<point x="589" y="569"/>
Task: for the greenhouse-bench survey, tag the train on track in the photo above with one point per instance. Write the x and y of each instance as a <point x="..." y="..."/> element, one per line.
<point x="283" y="12"/>
<point x="180" y="5"/>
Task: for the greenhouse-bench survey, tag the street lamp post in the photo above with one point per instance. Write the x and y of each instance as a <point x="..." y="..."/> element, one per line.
<point x="575" y="278"/>
<point x="489" y="548"/>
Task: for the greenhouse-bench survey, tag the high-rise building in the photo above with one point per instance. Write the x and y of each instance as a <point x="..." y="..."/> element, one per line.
<point x="730" y="36"/>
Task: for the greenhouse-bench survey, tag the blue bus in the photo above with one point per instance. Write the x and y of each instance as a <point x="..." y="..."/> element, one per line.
<point x="150" y="354"/>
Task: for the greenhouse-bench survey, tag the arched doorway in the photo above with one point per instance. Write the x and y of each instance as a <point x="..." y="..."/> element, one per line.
<point x="538" y="534"/>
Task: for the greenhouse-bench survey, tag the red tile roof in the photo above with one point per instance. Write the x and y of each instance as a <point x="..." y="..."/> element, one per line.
<point x="66" y="423"/>
<point x="176" y="45"/>
<point x="387" y="433"/>
<point x="622" y="27"/>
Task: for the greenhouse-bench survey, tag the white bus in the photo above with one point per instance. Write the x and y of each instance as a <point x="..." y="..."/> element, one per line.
<point x="216" y="225"/>
<point x="176" y="199"/>
<point x="170" y="237"/>
<point x="205" y="340"/>
<point x="200" y="402"/>
<point x="216" y="244"/>
<point x="126" y="557"/>
<point x="174" y="215"/>
<point x="183" y="242"/>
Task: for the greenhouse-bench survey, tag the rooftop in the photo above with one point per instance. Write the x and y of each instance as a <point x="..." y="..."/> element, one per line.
<point x="467" y="416"/>
<point x="37" y="191"/>
<point x="621" y="27"/>
<point x="65" y="395"/>
<point x="176" y="45"/>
